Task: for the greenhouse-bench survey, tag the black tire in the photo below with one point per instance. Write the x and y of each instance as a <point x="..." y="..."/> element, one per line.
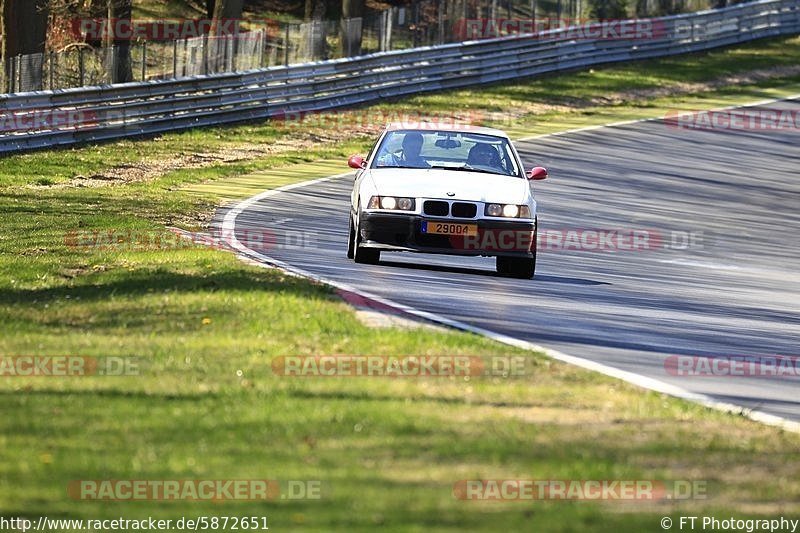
<point x="522" y="268"/>
<point x="501" y="265"/>
<point x="517" y="267"/>
<point x="351" y="239"/>
<point x="367" y="256"/>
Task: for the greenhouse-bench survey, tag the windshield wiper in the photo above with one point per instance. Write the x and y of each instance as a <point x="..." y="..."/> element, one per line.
<point x="401" y="166"/>
<point x="467" y="168"/>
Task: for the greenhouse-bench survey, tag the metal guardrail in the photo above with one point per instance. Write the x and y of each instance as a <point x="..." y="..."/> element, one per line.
<point x="64" y="117"/>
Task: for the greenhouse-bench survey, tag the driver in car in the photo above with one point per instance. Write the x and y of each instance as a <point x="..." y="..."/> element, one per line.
<point x="408" y="156"/>
<point x="484" y="155"/>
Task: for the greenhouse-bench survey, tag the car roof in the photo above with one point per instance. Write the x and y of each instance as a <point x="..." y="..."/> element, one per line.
<point x="436" y="126"/>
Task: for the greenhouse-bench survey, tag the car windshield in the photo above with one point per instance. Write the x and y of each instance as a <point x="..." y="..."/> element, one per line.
<point x="449" y="150"/>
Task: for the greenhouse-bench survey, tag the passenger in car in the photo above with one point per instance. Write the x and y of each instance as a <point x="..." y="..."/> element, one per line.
<point x="485" y="155"/>
<point x="409" y="156"/>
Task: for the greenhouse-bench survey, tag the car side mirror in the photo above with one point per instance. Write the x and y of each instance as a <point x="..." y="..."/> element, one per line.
<point x="356" y="161"/>
<point x="537" y="173"/>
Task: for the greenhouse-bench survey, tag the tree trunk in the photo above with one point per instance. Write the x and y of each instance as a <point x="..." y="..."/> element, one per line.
<point x="120" y="67"/>
<point x="224" y="27"/>
<point x="351" y="30"/>
<point x="227" y="10"/>
<point x="314" y="30"/>
<point x="24" y="28"/>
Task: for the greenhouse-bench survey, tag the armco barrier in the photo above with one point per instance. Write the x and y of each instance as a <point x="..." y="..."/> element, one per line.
<point x="69" y="116"/>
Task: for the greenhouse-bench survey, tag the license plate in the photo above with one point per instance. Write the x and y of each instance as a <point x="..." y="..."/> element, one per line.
<point x="449" y="228"/>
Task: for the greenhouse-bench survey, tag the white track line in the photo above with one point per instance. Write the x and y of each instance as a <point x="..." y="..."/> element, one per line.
<point x="229" y="231"/>
<point x="653" y="119"/>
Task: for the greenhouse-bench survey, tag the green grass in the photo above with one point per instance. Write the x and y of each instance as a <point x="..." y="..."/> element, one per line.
<point x="387" y="452"/>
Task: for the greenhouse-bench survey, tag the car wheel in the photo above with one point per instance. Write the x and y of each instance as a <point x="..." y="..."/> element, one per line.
<point x="351" y="238"/>
<point x="368" y="256"/>
<point x="518" y="267"/>
<point x="501" y="265"/>
<point x="522" y="268"/>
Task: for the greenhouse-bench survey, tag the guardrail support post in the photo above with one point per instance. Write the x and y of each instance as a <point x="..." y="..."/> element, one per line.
<point x="52" y="69"/>
<point x="19" y="72"/>
<point x="440" y="12"/>
<point x="206" y="40"/>
<point x="81" y="69"/>
<point x="12" y="73"/>
<point x="175" y="58"/>
<point x="415" y="40"/>
<point x="263" y="48"/>
<point x="144" y="60"/>
<point x="286" y="47"/>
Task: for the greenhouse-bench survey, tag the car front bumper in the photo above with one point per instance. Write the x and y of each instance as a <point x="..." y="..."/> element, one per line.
<point x="399" y="232"/>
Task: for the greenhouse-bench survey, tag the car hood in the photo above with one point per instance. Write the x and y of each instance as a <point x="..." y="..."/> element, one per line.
<point x="438" y="183"/>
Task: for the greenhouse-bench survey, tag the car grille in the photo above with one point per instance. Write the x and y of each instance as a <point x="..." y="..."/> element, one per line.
<point x="464" y="210"/>
<point x="435" y="208"/>
<point x="439" y="208"/>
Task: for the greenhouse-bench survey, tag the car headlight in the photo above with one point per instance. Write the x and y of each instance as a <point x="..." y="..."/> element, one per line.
<point x="507" y="211"/>
<point x="391" y="203"/>
<point x="510" y="211"/>
<point x="494" y="210"/>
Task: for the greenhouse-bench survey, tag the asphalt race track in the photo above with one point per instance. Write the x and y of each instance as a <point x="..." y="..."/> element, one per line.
<point x="734" y="291"/>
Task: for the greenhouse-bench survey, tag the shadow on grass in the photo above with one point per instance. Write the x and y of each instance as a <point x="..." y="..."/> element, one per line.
<point x="368" y="396"/>
<point x="14" y="395"/>
<point x="141" y="283"/>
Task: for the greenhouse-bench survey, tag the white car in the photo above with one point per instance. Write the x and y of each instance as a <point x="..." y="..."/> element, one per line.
<point x="444" y="190"/>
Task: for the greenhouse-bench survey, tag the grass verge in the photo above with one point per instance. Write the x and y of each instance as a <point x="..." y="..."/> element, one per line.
<point x="387" y="452"/>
